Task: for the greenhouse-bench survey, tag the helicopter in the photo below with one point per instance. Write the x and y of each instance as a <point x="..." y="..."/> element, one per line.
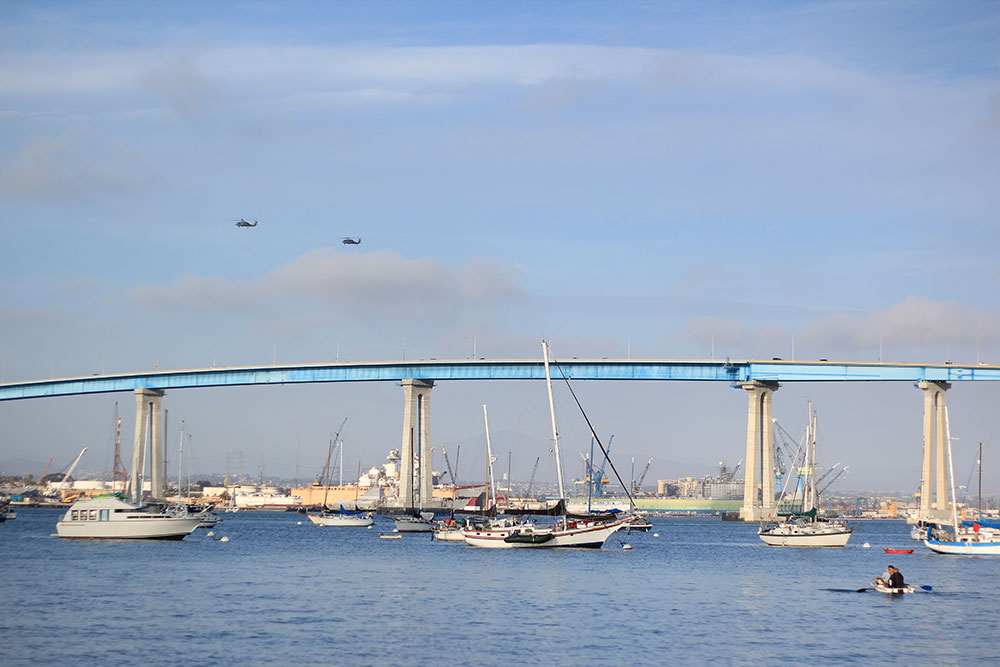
<point x="351" y="241"/>
<point x="243" y="223"/>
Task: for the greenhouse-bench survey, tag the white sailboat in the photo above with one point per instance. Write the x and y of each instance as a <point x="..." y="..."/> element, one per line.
<point x="340" y="518"/>
<point x="805" y="529"/>
<point x="508" y="534"/>
<point x="420" y="521"/>
<point x="976" y="540"/>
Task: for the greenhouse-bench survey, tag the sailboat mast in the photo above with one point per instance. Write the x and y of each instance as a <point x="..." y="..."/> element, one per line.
<point x="812" y="462"/>
<point x="552" y="414"/>
<point x="980" y="462"/>
<point x="326" y="487"/>
<point x="490" y="478"/>
<point x="951" y="472"/>
<point x="340" y="465"/>
<point x="180" y="461"/>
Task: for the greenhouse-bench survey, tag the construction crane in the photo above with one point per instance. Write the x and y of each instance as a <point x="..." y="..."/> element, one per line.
<point x="73" y="465"/>
<point x="45" y="470"/>
<point x="637" y="486"/>
<point x="531" y="480"/>
<point x="597" y="482"/>
<point x="835" y="478"/>
<point x="69" y="471"/>
<point x="451" y="473"/>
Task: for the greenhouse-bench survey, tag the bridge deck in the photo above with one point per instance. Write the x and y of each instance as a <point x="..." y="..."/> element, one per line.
<point x="732" y="371"/>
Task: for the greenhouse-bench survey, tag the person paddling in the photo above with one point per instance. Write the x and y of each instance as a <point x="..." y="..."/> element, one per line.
<point x="894" y="579"/>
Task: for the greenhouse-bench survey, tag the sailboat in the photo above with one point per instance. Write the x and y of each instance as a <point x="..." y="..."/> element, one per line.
<point x="981" y="538"/>
<point x="804" y="529"/>
<point x="420" y="521"/>
<point x="507" y="533"/>
<point x="340" y="517"/>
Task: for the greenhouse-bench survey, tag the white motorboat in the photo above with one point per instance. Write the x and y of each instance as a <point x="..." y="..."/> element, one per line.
<point x="111" y="517"/>
<point x="799" y="532"/>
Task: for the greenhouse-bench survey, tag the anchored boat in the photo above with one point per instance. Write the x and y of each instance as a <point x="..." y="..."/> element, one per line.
<point x="566" y="532"/>
<point x="111" y="517"/>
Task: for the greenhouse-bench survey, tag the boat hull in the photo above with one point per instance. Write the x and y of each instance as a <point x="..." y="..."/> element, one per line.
<point x="882" y="588"/>
<point x="115" y="519"/>
<point x="449" y="535"/>
<point x="592" y="536"/>
<point x="342" y="520"/>
<point x="776" y="538"/>
<point x="964" y="548"/>
<point x="414" y="526"/>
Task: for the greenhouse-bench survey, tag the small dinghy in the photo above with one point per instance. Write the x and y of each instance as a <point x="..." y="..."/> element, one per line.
<point x="878" y="585"/>
<point x="898" y="551"/>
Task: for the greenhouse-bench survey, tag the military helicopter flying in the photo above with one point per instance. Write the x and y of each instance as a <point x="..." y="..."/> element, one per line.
<point x="243" y="223"/>
<point x="351" y="241"/>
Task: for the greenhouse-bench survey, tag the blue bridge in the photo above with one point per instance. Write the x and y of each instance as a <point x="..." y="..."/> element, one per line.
<point x="736" y="372"/>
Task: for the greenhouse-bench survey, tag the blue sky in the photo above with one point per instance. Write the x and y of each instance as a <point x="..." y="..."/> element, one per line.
<point x="660" y="179"/>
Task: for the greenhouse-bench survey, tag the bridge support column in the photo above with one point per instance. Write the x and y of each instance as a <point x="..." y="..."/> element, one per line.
<point x="758" y="485"/>
<point x="416" y="449"/>
<point x="148" y="426"/>
<point x="933" y="477"/>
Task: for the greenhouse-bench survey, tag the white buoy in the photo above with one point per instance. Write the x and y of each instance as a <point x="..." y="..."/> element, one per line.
<point x="369" y="527"/>
<point x="224" y="539"/>
<point x="626" y="547"/>
<point x="866" y="546"/>
<point x="656" y="534"/>
<point x="299" y="523"/>
<point x="211" y="533"/>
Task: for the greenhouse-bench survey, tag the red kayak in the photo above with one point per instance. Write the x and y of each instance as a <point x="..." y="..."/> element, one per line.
<point x="899" y="551"/>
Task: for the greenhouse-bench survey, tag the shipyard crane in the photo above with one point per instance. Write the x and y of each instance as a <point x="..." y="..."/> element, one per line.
<point x="531" y="480"/>
<point x="597" y="484"/>
<point x="45" y="470"/>
<point x="835" y="478"/>
<point x="637" y="486"/>
<point x="69" y="471"/>
<point x="451" y="473"/>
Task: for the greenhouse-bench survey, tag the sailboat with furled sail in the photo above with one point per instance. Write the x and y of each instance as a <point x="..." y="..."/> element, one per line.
<point x="982" y="538"/>
<point x="804" y="529"/>
<point x="565" y="532"/>
<point x="339" y="517"/>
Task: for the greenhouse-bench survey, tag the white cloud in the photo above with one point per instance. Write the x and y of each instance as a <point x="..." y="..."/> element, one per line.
<point x="919" y="325"/>
<point x="347" y="287"/>
<point x="75" y="165"/>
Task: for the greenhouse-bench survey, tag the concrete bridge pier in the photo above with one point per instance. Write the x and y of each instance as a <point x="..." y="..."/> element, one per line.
<point x="758" y="484"/>
<point x="933" y="472"/>
<point x="416" y="443"/>
<point x="148" y="426"/>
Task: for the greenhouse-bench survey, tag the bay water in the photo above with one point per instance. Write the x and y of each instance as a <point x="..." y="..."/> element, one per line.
<point x="282" y="591"/>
